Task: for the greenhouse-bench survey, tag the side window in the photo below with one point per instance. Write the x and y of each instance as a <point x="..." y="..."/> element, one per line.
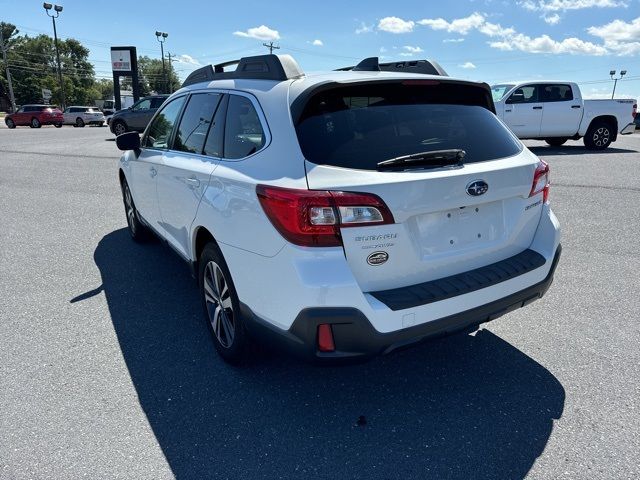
<point x="556" y="93"/>
<point x="524" y="94"/>
<point x="215" y="137"/>
<point x="243" y="132"/>
<point x="160" y="129"/>
<point x="142" y="105"/>
<point x="195" y="122"/>
<point x="156" y="102"/>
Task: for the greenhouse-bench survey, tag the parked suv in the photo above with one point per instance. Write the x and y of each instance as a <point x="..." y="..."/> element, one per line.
<point x="344" y="214"/>
<point x="35" y="116"/>
<point x="137" y="116"/>
<point x="81" y="116"/>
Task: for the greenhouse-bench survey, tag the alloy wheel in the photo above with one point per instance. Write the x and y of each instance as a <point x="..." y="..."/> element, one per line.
<point x="219" y="306"/>
<point x="131" y="213"/>
<point x="119" y="128"/>
<point x="601" y="136"/>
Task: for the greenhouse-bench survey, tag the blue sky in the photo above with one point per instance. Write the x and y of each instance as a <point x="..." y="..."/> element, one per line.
<point x="488" y="40"/>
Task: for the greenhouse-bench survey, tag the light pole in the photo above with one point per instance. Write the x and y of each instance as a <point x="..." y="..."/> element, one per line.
<point x="615" y="80"/>
<point x="57" y="9"/>
<point x="162" y="37"/>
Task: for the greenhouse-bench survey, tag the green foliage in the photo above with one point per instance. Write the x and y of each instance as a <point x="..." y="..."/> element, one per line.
<point x="152" y="78"/>
<point x="33" y="67"/>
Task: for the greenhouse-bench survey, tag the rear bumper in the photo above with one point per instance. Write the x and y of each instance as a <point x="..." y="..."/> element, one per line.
<point x="630" y="128"/>
<point x="355" y="337"/>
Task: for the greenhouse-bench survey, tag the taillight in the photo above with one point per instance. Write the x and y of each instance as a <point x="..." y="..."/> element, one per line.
<point x="634" y="112"/>
<point x="541" y="181"/>
<point x="313" y="218"/>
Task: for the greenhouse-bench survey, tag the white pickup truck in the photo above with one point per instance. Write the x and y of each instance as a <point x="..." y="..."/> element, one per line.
<point x="555" y="112"/>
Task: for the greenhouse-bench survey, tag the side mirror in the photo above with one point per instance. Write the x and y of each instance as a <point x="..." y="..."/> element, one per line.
<point x="128" y="141"/>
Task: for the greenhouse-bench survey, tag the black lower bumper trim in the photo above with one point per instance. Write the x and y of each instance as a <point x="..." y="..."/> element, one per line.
<point x="355" y="337"/>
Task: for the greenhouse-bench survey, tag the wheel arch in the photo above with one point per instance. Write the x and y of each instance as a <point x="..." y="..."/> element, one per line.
<point x="611" y="120"/>
<point x="201" y="236"/>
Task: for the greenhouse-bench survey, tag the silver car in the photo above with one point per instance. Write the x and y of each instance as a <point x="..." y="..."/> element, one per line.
<point x="81" y="116"/>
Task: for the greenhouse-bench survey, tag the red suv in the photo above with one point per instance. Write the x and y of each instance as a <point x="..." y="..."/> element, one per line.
<point x="35" y="116"/>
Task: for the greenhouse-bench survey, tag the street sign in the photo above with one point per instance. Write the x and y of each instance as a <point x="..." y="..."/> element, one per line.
<point x="121" y="60"/>
<point x="46" y="95"/>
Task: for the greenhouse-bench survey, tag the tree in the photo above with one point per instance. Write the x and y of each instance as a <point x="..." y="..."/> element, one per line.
<point x="33" y="67"/>
<point x="152" y="78"/>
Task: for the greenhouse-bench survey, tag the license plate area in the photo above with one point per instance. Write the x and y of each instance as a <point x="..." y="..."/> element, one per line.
<point x="461" y="228"/>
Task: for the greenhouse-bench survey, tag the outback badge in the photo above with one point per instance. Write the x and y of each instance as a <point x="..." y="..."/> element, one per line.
<point x="377" y="258"/>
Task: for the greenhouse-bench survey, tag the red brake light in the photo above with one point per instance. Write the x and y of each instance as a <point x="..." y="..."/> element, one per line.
<point x="313" y="218"/>
<point x="541" y="181"/>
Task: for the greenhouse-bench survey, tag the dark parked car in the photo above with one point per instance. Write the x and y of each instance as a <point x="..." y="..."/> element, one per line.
<point x="35" y="116"/>
<point x="137" y="116"/>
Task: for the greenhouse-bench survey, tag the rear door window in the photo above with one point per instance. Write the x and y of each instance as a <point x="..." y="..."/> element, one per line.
<point x="244" y="134"/>
<point x="358" y="127"/>
<point x="555" y="93"/>
<point x="195" y="122"/>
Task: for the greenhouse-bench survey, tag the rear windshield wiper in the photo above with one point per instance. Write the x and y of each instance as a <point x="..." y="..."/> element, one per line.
<point x="435" y="158"/>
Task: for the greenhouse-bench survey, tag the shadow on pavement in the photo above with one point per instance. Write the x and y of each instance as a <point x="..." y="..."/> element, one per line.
<point x="575" y="150"/>
<point x="461" y="407"/>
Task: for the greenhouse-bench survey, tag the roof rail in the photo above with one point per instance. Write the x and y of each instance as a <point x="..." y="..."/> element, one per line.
<point x="372" y="64"/>
<point x="260" y="67"/>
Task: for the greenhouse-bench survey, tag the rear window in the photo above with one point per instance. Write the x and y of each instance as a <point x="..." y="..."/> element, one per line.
<point x="357" y="127"/>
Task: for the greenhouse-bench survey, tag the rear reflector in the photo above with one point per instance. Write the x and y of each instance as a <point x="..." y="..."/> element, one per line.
<point x="313" y="218"/>
<point x="325" y="338"/>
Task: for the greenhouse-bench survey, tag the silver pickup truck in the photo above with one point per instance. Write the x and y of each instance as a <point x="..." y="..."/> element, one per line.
<point x="555" y="112"/>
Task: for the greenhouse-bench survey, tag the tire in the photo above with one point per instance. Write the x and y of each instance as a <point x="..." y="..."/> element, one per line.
<point x="221" y="306"/>
<point x="138" y="231"/>
<point x="10" y="123"/>
<point x="79" y="122"/>
<point x="119" y="127"/>
<point x="58" y="125"/>
<point x="556" y="142"/>
<point x="35" y="123"/>
<point x="598" y="136"/>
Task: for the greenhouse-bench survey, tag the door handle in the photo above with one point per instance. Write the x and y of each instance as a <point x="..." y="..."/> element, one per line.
<point x="537" y="108"/>
<point x="508" y="110"/>
<point x="575" y="106"/>
<point x="193" y="182"/>
<point x="153" y="171"/>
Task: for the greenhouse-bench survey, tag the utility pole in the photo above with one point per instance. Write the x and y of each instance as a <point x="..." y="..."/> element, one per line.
<point x="170" y="68"/>
<point x="6" y="64"/>
<point x="162" y="37"/>
<point x="271" y="47"/>
<point x="615" y="80"/>
<point x="57" y="9"/>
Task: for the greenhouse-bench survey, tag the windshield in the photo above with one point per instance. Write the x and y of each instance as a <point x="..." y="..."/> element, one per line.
<point x="358" y="127"/>
<point x="499" y="91"/>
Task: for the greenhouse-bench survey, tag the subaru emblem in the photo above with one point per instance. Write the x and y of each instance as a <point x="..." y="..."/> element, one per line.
<point x="477" y="188"/>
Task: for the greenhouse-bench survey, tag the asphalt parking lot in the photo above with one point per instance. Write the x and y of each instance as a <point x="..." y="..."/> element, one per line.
<point x="107" y="369"/>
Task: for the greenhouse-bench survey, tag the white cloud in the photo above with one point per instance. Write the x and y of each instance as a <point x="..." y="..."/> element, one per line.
<point x="364" y="28"/>
<point x="411" y="49"/>
<point x="188" y="59"/>
<point x="453" y="40"/>
<point x="260" y="33"/>
<point x="545" y="44"/>
<point x="467" y="65"/>
<point x="564" y="5"/>
<point x="619" y="37"/>
<point x="551" y="19"/>
<point x="406" y="54"/>
<point x="395" y="25"/>
<point x="461" y="26"/>
<point x="317" y="43"/>
<point x="383" y="50"/>
<point x="507" y="38"/>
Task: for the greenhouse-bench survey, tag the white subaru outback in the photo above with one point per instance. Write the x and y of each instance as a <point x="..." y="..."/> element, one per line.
<point x="343" y="214"/>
